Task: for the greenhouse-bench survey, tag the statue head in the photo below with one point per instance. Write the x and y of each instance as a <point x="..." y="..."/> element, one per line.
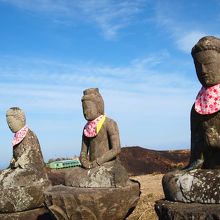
<point x="92" y="103"/>
<point x="15" y="118"/>
<point x="206" y="55"/>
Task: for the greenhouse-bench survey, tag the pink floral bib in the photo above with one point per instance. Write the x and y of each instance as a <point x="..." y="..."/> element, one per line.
<point x="19" y="135"/>
<point x="208" y="100"/>
<point x="92" y="128"/>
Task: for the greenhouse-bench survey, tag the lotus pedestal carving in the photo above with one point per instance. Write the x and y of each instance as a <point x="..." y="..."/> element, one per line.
<point x="71" y="203"/>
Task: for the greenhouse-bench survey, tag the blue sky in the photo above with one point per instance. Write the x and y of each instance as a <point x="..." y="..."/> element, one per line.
<point x="137" y="52"/>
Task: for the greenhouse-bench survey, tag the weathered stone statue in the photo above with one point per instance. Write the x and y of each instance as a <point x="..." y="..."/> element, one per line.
<point x="100" y="148"/>
<point x="23" y="183"/>
<point x="199" y="182"/>
<point x="101" y="188"/>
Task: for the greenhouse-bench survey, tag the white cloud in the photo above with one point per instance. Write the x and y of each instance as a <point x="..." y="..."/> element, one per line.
<point x="139" y="75"/>
<point x="110" y="16"/>
<point x="40" y="5"/>
<point x="185" y="32"/>
<point x="186" y="41"/>
<point x="53" y="86"/>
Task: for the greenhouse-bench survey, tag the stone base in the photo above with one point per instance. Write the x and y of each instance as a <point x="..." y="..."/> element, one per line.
<point x="21" y="198"/>
<point x="70" y="203"/>
<point x="35" y="214"/>
<point x="167" y="210"/>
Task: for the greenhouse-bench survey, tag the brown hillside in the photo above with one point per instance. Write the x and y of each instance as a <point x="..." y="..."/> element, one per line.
<point x="141" y="161"/>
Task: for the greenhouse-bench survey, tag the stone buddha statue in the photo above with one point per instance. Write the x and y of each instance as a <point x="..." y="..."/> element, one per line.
<point x="205" y="123"/>
<point x="100" y="189"/>
<point x="100" y="148"/>
<point x="23" y="183"/>
<point x="199" y="181"/>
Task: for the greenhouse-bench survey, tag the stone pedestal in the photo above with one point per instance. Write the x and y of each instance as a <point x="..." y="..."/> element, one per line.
<point x="70" y="203"/>
<point x="21" y="198"/>
<point x="167" y="210"/>
<point x="35" y="214"/>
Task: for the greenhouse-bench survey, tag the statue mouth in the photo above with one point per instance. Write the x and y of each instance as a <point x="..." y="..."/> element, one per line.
<point x="205" y="77"/>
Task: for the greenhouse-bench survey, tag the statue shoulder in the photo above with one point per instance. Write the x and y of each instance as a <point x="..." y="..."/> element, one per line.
<point x="111" y="125"/>
<point x="32" y="137"/>
<point x="31" y="133"/>
<point x="110" y="121"/>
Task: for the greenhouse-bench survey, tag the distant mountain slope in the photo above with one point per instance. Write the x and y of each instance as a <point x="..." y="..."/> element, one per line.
<point x="140" y="161"/>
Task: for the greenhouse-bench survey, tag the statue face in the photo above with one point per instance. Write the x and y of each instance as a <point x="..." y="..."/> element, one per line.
<point x="90" y="110"/>
<point x="14" y="123"/>
<point x="207" y="64"/>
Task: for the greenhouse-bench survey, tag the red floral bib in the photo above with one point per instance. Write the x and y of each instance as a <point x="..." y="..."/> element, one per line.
<point x="19" y="135"/>
<point x="208" y="100"/>
<point x="93" y="127"/>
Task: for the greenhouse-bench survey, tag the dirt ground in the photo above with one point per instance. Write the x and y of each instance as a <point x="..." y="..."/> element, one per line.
<point x="151" y="190"/>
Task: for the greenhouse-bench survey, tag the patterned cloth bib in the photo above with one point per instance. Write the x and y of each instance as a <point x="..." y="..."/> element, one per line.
<point x="208" y="100"/>
<point x="93" y="127"/>
<point x="19" y="135"/>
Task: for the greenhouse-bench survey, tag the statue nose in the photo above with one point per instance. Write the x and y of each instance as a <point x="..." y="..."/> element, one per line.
<point x="204" y="69"/>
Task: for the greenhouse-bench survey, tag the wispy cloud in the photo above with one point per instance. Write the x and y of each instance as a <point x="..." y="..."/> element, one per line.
<point x="185" y="33"/>
<point x="52" y="72"/>
<point x="109" y="15"/>
<point x="49" y="85"/>
<point x="112" y="16"/>
<point x="188" y="40"/>
<point x="40" y="5"/>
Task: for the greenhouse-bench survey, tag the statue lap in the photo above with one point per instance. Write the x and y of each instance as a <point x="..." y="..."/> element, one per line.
<point x="110" y="174"/>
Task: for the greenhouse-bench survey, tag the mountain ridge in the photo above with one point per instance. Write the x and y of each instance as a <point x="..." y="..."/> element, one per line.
<point x="140" y="161"/>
